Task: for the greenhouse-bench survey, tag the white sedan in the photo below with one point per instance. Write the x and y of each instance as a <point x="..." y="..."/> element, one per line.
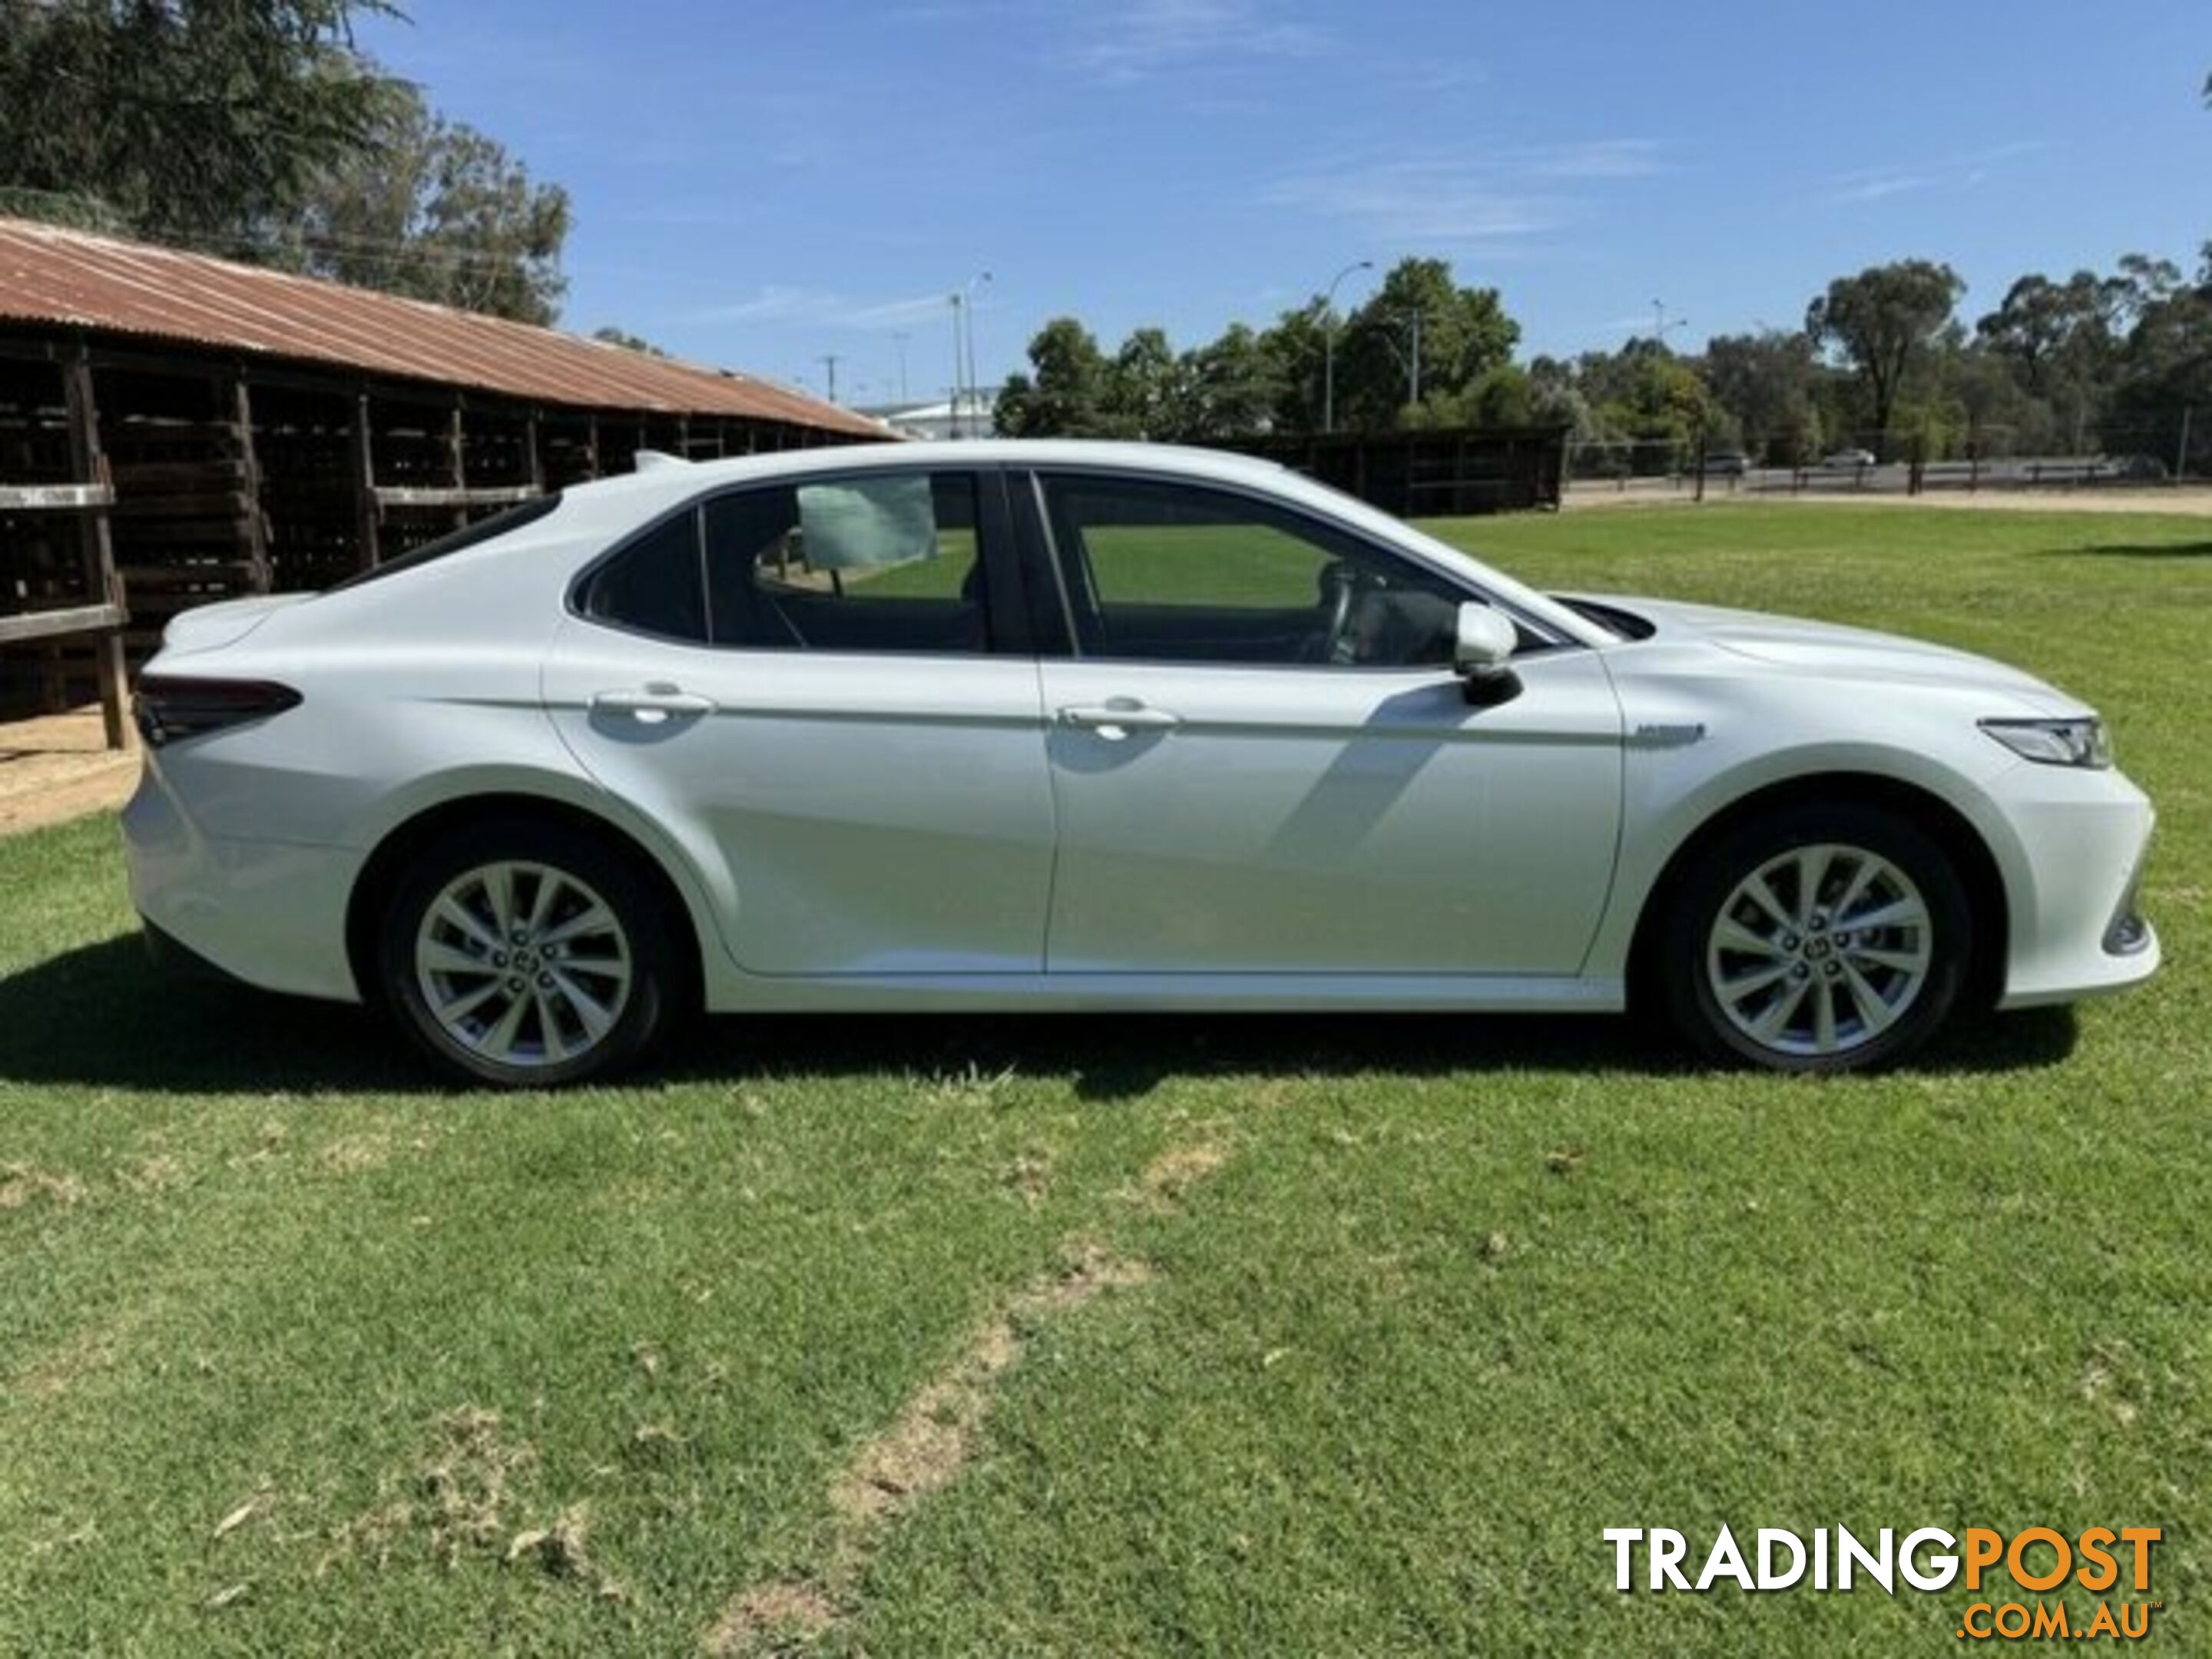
<point x="1066" y="725"/>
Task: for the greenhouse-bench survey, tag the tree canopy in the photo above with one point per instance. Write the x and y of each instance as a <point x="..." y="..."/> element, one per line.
<point x="432" y="208"/>
<point x="257" y="129"/>
<point x="1880" y="318"/>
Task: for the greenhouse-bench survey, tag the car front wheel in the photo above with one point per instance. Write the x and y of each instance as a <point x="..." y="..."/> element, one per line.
<point x="525" y="954"/>
<point x="1817" y="938"/>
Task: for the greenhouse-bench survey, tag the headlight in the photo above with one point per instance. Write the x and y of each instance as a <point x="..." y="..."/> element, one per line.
<point x="2055" y="743"/>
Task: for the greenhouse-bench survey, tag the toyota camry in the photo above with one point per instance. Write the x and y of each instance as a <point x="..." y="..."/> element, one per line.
<point x="998" y="726"/>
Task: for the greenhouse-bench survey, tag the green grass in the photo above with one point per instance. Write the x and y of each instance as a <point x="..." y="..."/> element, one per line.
<point x="1463" y="1293"/>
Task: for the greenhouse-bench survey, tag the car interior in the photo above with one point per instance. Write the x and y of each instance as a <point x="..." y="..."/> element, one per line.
<point x="1166" y="576"/>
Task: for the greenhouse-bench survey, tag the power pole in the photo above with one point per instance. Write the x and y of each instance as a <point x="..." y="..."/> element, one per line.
<point x="830" y="359"/>
<point x="1416" y="375"/>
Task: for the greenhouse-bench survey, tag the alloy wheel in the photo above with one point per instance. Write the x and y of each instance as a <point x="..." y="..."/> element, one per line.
<point x="1819" y="950"/>
<point x="523" y="963"/>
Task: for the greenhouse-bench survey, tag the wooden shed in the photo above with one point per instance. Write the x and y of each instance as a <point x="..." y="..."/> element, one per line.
<point x="176" y="429"/>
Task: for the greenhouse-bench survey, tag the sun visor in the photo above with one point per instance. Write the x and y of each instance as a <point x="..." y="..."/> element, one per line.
<point x="868" y="523"/>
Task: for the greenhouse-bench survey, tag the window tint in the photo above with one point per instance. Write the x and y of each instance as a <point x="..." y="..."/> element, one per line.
<point x="885" y="561"/>
<point x="1184" y="574"/>
<point x="653" y="584"/>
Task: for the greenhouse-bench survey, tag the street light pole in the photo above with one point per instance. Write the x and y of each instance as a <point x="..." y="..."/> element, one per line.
<point x="1329" y="343"/>
<point x="974" y="391"/>
<point x="952" y="422"/>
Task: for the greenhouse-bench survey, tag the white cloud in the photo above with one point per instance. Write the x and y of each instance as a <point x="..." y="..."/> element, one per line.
<point x="817" y="308"/>
<point x="1135" y="42"/>
<point x="1597" y="158"/>
<point x="1928" y="173"/>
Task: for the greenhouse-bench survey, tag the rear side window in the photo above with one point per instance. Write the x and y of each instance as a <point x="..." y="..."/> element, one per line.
<point x="888" y="561"/>
<point x="871" y="562"/>
<point x="653" y="584"/>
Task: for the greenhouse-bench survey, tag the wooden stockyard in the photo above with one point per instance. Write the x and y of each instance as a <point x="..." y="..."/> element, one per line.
<point x="1433" y="473"/>
<point x="176" y="429"/>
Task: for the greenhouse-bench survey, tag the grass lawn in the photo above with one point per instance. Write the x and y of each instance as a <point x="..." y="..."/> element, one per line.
<point x="1191" y="1336"/>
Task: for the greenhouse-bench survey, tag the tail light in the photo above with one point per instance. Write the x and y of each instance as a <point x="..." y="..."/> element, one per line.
<point x="169" y="707"/>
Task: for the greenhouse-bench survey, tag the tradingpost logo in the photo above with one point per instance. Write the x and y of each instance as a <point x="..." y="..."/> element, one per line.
<point x="2043" y="1563"/>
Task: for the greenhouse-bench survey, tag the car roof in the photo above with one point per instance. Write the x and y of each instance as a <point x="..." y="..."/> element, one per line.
<point x="681" y="477"/>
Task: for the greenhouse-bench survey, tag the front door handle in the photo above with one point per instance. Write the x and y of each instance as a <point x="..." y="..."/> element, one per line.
<point x="1115" y="720"/>
<point x="652" y="705"/>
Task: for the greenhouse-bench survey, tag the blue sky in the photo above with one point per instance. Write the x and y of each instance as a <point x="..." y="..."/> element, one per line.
<point x="759" y="183"/>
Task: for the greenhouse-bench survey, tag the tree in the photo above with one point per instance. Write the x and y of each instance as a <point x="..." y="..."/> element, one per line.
<point x="1235" y="385"/>
<point x="1146" y="393"/>
<point x="1067" y="397"/>
<point x="1419" y="323"/>
<point x="2164" y="383"/>
<point x="1882" y="319"/>
<point x="184" y="119"/>
<point x="433" y="209"/>
<point x="608" y="334"/>
<point x="1767" y="382"/>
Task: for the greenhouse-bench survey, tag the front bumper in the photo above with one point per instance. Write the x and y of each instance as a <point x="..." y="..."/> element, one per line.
<point x="269" y="914"/>
<point x="2079" y="840"/>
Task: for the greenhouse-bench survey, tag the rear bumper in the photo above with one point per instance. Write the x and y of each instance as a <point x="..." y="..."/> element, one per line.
<point x="267" y="913"/>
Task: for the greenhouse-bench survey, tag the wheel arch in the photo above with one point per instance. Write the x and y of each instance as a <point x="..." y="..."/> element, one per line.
<point x="373" y="888"/>
<point x="1928" y="812"/>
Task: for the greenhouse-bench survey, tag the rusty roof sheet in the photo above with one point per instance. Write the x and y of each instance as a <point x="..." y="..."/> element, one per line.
<point x="72" y="279"/>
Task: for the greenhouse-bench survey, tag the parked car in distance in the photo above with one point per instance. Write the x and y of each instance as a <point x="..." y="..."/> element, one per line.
<point x="1003" y="726"/>
<point x="1727" y="464"/>
<point x="1849" y="458"/>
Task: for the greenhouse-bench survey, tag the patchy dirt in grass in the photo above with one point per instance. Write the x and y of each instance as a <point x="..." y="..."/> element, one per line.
<point x="770" y="1614"/>
<point x="352" y="1154"/>
<point x="88" y="1349"/>
<point x="558" y="1549"/>
<point x="458" y="1497"/>
<point x="58" y="767"/>
<point x="1029" y="1176"/>
<point x="935" y="1434"/>
<point x="21" y="1183"/>
<point x="467" y="1495"/>
<point x="1170" y="1178"/>
<point x="923" y="1451"/>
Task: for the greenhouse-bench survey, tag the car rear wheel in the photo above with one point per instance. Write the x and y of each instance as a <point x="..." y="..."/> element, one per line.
<point x="1817" y="938"/>
<point x="526" y="954"/>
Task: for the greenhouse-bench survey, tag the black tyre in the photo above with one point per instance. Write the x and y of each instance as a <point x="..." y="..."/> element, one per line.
<point x="528" y="954"/>
<point x="1815" y="939"/>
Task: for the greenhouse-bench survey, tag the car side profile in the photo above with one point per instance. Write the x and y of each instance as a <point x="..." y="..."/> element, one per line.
<point x="1010" y="725"/>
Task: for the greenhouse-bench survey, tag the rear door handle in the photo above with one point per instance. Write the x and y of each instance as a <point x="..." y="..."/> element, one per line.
<point x="1115" y="720"/>
<point x="652" y="705"/>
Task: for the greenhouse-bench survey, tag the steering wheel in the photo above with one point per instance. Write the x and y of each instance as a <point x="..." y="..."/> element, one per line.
<point x="1337" y="644"/>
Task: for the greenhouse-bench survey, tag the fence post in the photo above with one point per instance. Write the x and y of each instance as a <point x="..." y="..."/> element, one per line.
<point x="2181" y="455"/>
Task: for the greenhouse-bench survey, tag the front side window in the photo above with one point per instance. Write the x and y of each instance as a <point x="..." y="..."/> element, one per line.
<point x="887" y="562"/>
<point x="1181" y="573"/>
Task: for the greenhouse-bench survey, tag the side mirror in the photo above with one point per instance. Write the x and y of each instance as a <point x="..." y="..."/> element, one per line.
<point x="1482" y="654"/>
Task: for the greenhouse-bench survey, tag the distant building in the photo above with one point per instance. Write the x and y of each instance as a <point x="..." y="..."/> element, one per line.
<point x="972" y="415"/>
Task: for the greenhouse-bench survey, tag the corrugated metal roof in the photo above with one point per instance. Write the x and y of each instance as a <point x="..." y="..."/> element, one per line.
<point x="69" y="278"/>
